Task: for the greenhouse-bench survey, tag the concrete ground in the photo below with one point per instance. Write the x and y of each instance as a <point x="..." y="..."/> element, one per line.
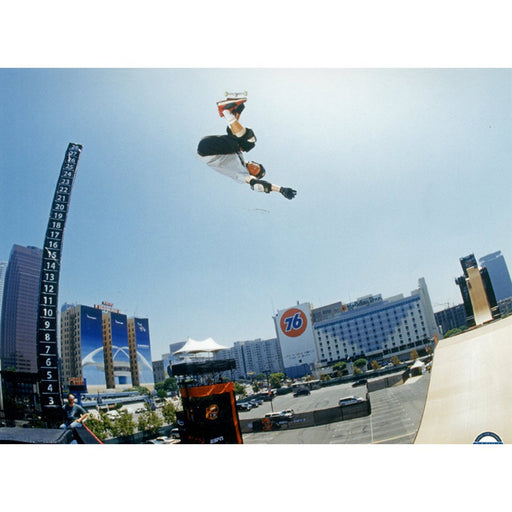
<point x="395" y="417"/>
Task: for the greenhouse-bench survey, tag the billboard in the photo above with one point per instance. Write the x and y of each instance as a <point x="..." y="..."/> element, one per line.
<point x="91" y="336"/>
<point x="143" y="350"/>
<point x="120" y="350"/>
<point x="294" y="330"/>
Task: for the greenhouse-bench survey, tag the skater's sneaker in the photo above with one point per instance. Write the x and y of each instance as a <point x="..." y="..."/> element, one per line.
<point x="234" y="105"/>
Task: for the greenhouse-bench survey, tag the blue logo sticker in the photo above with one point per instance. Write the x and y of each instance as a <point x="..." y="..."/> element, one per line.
<point x="488" y="438"/>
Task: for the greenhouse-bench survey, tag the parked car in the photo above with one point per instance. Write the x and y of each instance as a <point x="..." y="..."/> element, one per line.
<point x="273" y="415"/>
<point x="162" y="440"/>
<point x="287" y="413"/>
<point x="349" y="400"/>
<point x="360" y="382"/>
<point x="302" y="392"/>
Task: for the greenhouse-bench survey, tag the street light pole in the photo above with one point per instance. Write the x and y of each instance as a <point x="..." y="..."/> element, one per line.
<point x="267" y="373"/>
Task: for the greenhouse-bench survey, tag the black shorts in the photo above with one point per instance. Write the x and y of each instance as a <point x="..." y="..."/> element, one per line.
<point x="226" y="144"/>
<point x="218" y="145"/>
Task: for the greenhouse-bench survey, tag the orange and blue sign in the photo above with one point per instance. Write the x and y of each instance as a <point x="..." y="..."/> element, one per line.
<point x="293" y="322"/>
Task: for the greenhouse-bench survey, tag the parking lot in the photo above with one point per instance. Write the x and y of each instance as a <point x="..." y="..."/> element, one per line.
<point x="396" y="414"/>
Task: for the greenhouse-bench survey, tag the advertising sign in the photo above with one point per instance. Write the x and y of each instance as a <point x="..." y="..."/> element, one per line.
<point x="91" y="335"/>
<point x="143" y="348"/>
<point x="120" y="350"/>
<point x="295" y="332"/>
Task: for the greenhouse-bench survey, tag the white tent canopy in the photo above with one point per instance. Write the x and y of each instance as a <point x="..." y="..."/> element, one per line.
<point x="193" y="346"/>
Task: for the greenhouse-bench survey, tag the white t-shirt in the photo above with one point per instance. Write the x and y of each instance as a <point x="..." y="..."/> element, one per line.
<point x="232" y="165"/>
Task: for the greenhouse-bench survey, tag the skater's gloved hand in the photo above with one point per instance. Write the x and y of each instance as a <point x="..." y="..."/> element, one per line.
<point x="289" y="193"/>
<point x="261" y="186"/>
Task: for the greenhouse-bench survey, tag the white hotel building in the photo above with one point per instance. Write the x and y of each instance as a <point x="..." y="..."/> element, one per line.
<point x="370" y="327"/>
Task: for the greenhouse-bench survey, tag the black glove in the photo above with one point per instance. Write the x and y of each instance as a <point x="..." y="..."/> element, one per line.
<point x="267" y="187"/>
<point x="289" y="193"/>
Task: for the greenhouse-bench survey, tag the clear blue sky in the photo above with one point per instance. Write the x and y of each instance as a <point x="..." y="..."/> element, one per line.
<point x="398" y="173"/>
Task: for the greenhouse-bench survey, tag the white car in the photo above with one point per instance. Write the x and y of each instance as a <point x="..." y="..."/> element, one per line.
<point x="163" y="440"/>
<point x="349" y="400"/>
<point x="287" y="413"/>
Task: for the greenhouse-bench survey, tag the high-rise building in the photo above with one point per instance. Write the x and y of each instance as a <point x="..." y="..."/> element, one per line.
<point x="477" y="292"/>
<point x="105" y="348"/>
<point x="18" y="335"/>
<point x="82" y="350"/>
<point x="451" y="318"/>
<point x="140" y="351"/>
<point x="3" y="270"/>
<point x="253" y="357"/>
<point x="499" y="275"/>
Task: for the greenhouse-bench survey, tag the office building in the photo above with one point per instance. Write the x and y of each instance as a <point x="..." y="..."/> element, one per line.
<point x="141" y="366"/>
<point x="159" y="373"/>
<point x="162" y="368"/>
<point x="18" y="333"/>
<point x="370" y="327"/>
<point x="3" y="270"/>
<point x="253" y="357"/>
<point x="105" y="348"/>
<point x="499" y="275"/>
<point x="451" y="318"/>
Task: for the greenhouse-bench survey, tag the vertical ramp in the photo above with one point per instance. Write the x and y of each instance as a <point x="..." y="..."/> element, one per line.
<point x="470" y="391"/>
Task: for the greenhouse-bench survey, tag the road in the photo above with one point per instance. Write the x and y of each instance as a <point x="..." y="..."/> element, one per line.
<point x="396" y="415"/>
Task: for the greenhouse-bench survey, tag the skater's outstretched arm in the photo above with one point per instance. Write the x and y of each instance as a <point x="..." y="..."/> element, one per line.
<point x="265" y="186"/>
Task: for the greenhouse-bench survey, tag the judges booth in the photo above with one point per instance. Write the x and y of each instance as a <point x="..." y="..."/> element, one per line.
<point x="209" y="405"/>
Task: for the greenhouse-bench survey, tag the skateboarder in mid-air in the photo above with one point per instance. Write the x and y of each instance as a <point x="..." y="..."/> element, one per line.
<point x="224" y="153"/>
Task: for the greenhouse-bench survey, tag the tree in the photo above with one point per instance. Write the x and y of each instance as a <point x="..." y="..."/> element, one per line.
<point x="360" y="363"/>
<point x="169" y="413"/>
<point x="276" y="379"/>
<point x="122" y="426"/>
<point x="149" y="420"/>
<point x="396" y="361"/>
<point x="170" y="384"/>
<point x="97" y="426"/>
<point x="240" y="389"/>
<point x="161" y="393"/>
<point x="414" y="354"/>
<point x="339" y="367"/>
<point x="375" y="365"/>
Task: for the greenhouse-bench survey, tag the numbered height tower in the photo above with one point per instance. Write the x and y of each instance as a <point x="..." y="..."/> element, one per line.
<point x="47" y="324"/>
